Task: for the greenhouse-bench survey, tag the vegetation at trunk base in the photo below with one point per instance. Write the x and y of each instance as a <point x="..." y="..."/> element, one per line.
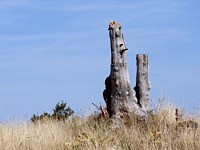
<point x="160" y="131"/>
<point x="60" y="112"/>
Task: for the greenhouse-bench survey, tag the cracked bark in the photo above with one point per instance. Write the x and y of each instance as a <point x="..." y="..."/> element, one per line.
<point x="119" y="95"/>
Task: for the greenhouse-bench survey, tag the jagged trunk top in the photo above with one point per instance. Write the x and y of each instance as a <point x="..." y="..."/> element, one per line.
<point x="117" y="43"/>
<point x="122" y="98"/>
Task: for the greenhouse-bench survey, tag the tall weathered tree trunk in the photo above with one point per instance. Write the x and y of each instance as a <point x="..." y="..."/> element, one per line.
<point x="142" y="87"/>
<point x="119" y="95"/>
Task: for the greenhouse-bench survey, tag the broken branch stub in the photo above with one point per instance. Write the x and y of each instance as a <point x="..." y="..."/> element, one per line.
<point x="142" y="87"/>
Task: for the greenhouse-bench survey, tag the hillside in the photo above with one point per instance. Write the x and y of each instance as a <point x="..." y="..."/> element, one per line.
<point x="160" y="131"/>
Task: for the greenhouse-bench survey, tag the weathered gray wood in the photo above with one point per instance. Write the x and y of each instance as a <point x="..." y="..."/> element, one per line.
<point x="142" y="87"/>
<point x="119" y="95"/>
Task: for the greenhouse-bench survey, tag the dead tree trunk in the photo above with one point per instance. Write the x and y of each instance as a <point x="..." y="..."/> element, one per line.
<point x="119" y="95"/>
<point x="142" y="87"/>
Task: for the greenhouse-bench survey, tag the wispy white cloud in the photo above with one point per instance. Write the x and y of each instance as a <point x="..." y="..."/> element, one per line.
<point x="150" y="6"/>
<point x="159" y="34"/>
<point x="9" y="4"/>
<point x="48" y="36"/>
<point x="21" y="53"/>
<point x="144" y="6"/>
<point x="28" y="37"/>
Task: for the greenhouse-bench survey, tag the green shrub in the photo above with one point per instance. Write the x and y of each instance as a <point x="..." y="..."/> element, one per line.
<point x="60" y="112"/>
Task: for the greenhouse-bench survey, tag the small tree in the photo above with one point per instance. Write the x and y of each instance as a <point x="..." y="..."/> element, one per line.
<point x="60" y="112"/>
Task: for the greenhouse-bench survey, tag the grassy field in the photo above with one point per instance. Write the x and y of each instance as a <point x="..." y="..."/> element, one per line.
<point x="160" y="131"/>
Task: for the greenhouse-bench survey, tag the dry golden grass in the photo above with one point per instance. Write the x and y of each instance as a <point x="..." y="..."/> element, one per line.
<point x="160" y="131"/>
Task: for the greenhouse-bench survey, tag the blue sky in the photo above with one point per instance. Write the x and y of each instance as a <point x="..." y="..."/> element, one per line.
<point x="59" y="50"/>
